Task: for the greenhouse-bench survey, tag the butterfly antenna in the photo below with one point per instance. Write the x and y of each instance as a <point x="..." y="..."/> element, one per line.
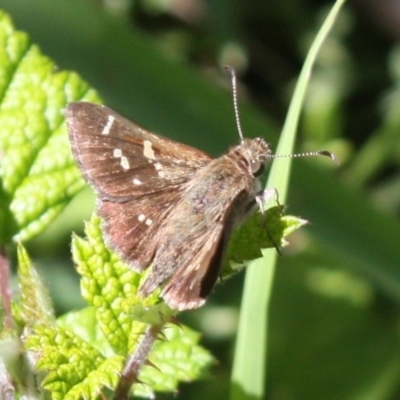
<point x="308" y="154"/>
<point x="231" y="70"/>
<point x="325" y="153"/>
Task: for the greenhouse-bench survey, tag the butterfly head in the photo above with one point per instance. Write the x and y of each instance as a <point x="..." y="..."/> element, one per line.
<point x="254" y="152"/>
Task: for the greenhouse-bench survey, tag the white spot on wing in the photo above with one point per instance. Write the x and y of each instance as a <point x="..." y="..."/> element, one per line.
<point x="124" y="162"/>
<point x="137" y="181"/>
<point x="117" y="153"/>
<point x="108" y="125"/>
<point x="148" y="222"/>
<point x="159" y="168"/>
<point x="141" y="217"/>
<point x="148" y="151"/>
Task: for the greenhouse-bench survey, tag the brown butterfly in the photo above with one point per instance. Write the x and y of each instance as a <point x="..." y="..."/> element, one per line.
<point x="163" y="203"/>
<point x="166" y="204"/>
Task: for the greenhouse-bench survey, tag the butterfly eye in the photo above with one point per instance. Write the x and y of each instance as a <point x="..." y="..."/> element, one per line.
<point x="257" y="168"/>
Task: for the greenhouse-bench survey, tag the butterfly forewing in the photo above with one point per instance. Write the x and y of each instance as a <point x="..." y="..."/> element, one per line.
<point x="122" y="160"/>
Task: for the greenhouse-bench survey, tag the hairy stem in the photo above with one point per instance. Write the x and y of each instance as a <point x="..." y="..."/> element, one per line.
<point x="135" y="361"/>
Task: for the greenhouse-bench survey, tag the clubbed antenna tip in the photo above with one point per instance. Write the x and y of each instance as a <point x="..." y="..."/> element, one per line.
<point x="330" y="155"/>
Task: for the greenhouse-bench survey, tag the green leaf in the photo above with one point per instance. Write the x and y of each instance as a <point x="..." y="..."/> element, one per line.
<point x="260" y="232"/>
<point x="84" y="324"/>
<point x="70" y="363"/>
<point x="107" y="284"/>
<point x="37" y="174"/>
<point x="34" y="305"/>
<point x="179" y="359"/>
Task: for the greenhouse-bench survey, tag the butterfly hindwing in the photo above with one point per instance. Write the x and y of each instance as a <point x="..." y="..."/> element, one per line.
<point x="131" y="227"/>
<point x="191" y="284"/>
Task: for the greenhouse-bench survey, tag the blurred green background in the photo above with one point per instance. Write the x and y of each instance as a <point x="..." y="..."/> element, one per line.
<point x="334" y="329"/>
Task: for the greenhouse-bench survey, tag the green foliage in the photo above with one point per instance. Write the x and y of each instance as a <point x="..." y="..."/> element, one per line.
<point x="35" y="304"/>
<point x="38" y="175"/>
<point x="106" y="285"/>
<point x="262" y="231"/>
<point x="72" y="367"/>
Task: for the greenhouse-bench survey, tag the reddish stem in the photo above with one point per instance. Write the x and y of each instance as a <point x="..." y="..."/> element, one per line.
<point x="135" y="361"/>
<point x="5" y="290"/>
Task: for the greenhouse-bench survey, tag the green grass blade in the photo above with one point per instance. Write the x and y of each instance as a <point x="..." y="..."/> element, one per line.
<point x="248" y="377"/>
